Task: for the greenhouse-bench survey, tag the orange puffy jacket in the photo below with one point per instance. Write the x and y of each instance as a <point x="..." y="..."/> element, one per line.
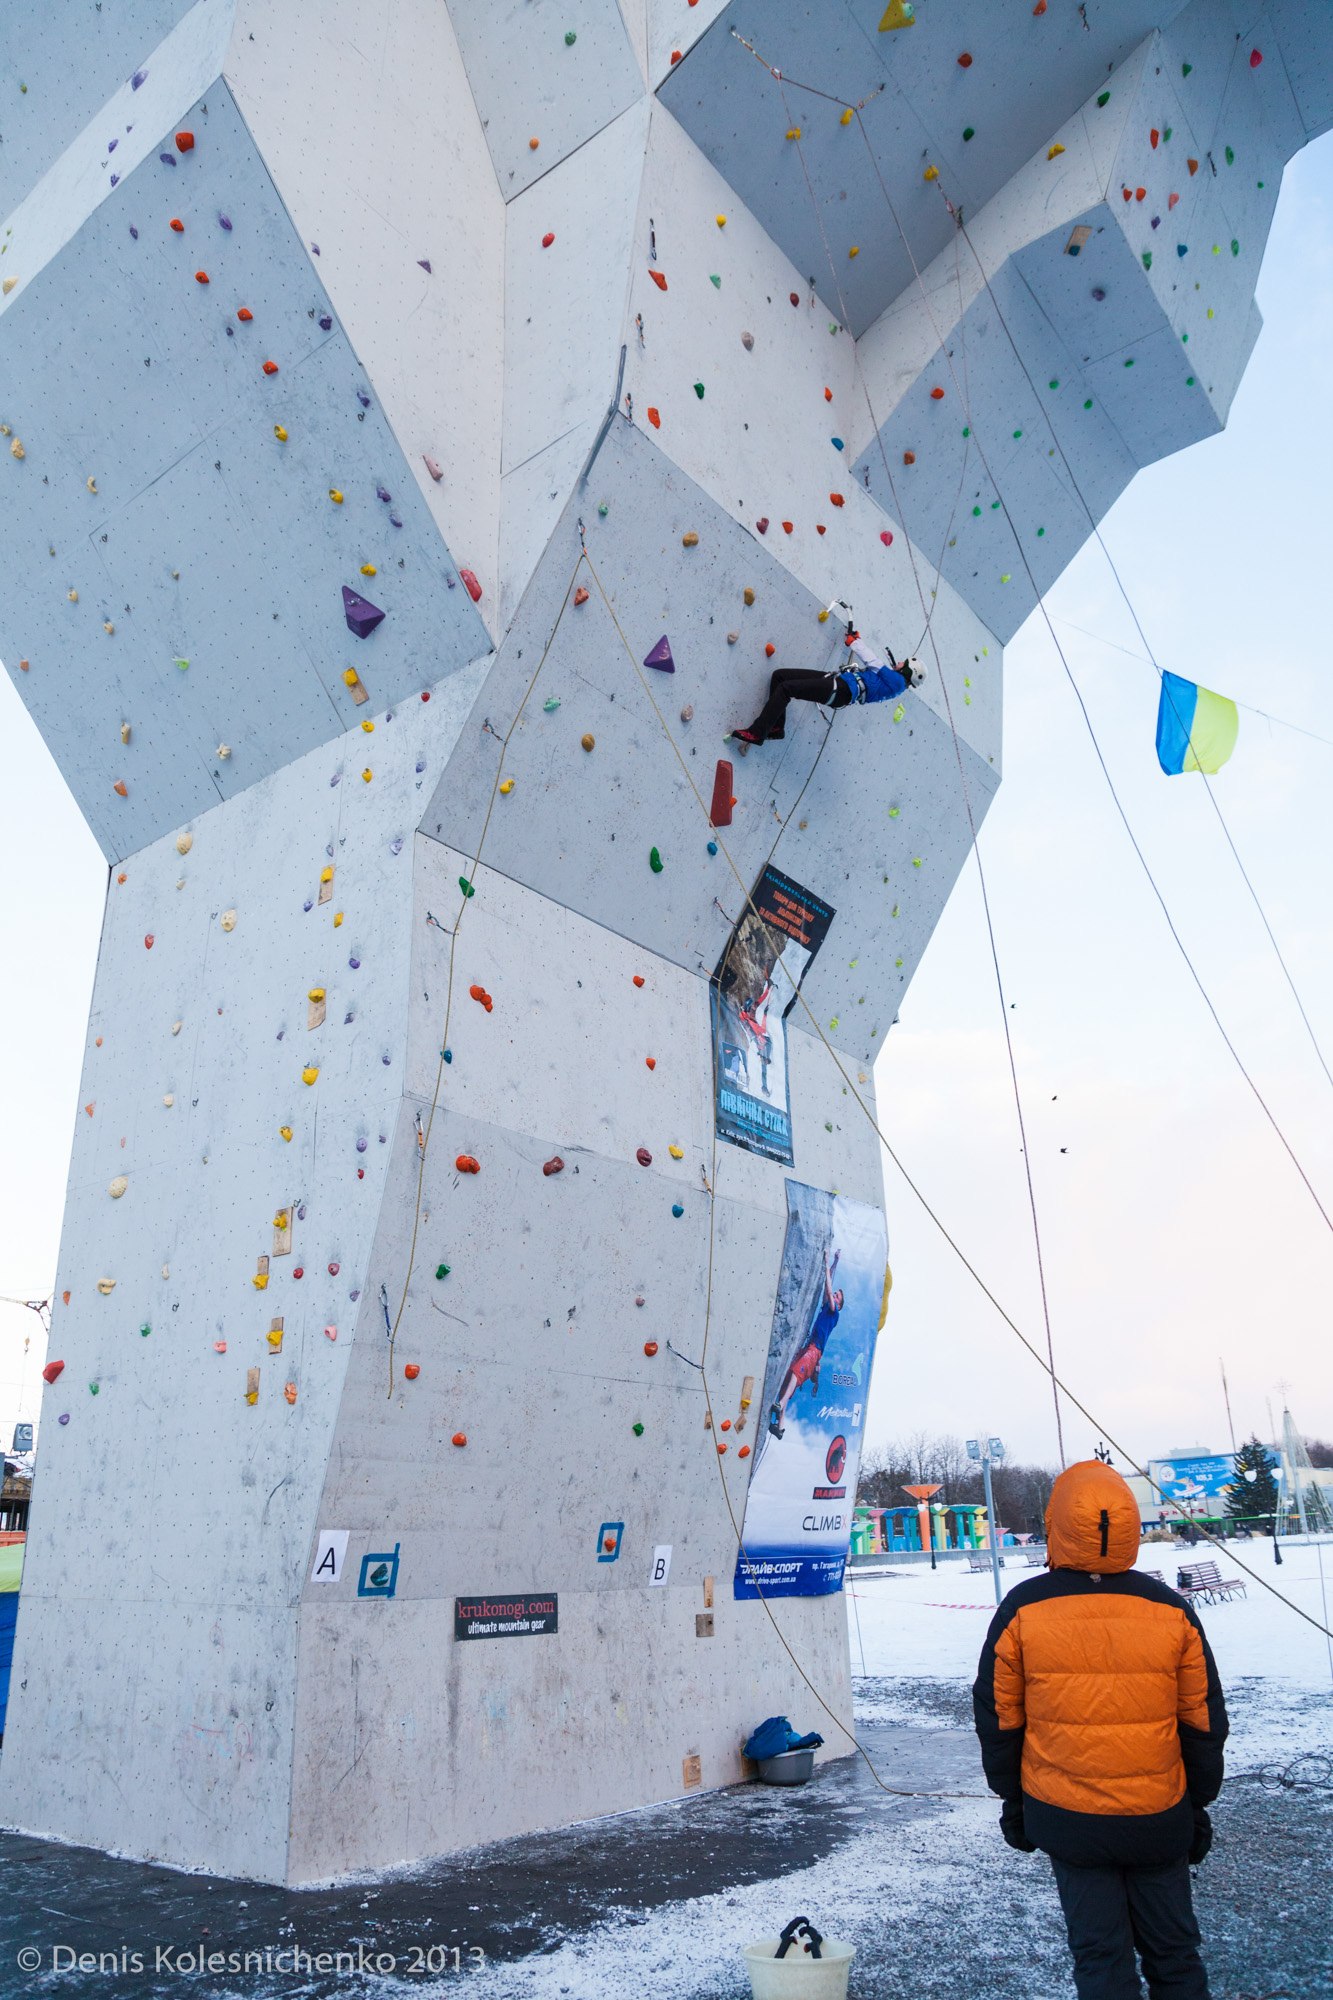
<point x="1097" y="1701"/>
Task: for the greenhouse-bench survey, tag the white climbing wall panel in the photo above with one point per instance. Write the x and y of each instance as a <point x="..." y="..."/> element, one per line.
<point x="397" y="1187"/>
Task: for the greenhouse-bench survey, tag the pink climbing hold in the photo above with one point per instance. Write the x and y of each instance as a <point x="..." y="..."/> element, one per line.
<point x="1256" y="57"/>
<point x="886" y="536"/>
<point x="470" y="584"/>
<point x="433" y="467"/>
<point x="660" y="656"/>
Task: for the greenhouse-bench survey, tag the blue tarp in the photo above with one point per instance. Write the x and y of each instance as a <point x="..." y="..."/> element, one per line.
<point x="9" y="1611"/>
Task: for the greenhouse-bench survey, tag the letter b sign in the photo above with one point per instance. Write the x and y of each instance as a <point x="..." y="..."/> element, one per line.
<point x="661" y="1568"/>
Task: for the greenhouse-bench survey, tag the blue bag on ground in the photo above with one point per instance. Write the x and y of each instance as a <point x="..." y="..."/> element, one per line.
<point x="775" y="1737"/>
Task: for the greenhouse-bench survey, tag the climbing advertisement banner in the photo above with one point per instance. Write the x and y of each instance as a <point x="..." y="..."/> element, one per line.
<point x="831" y="1294"/>
<point x="752" y="995"/>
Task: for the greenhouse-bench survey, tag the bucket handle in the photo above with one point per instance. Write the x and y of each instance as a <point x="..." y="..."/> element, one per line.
<point x="799" y="1927"/>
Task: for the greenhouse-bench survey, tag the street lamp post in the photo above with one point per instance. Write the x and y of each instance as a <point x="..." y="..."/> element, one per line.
<point x="986" y="1450"/>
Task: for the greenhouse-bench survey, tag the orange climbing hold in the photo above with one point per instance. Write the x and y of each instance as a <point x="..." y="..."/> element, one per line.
<point x="722" y="1445"/>
<point x="480" y="994"/>
<point x="533" y="144"/>
<point x="466" y="1164"/>
<point x="411" y="1369"/>
<point x="580" y="595"/>
<point x="1193" y="166"/>
<point x="836" y="499"/>
<point x="245" y="315"/>
<point x="201" y="277"/>
<point x="121" y="787"/>
<point x="459" y="1438"/>
<point x="769" y="650"/>
<point x="638" y="979"/>
<point x="828" y="393"/>
<point x="965" y="60"/>
<point x="744" y="1451"/>
<point x="937" y="394"/>
<point x="787" y="527"/>
<point x="270" y="367"/>
<point x="650" y="1062"/>
<point x="659" y="279"/>
<point x="1153" y="136"/>
<point x="185" y="142"/>
<point x="654" y="417"/>
<point x="177" y="225"/>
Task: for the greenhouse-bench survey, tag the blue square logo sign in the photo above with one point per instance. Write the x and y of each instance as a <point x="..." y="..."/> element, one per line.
<point x="379" y="1574"/>
<point x="608" y="1540"/>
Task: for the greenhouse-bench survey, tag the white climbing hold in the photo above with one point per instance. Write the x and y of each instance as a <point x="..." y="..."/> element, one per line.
<point x="117" y="1187"/>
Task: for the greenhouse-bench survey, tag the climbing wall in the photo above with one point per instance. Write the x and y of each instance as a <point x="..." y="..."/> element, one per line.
<point x="411" y="480"/>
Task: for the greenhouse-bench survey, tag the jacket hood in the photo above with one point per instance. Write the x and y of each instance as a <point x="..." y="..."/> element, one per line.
<point x="1092" y="1522"/>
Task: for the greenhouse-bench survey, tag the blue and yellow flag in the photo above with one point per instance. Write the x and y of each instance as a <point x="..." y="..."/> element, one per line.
<point x="1196" y="729"/>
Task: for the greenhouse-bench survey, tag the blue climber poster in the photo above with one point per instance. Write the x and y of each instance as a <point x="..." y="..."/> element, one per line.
<point x="753" y="991"/>
<point x="832" y="1291"/>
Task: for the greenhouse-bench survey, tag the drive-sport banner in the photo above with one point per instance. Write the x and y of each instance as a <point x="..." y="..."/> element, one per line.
<point x="752" y="995"/>
<point x="833" y="1291"/>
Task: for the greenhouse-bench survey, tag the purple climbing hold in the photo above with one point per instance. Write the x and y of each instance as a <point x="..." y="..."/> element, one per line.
<point x="140" y="76"/>
<point x="396" y="845"/>
<point x="380" y="494"/>
<point x="361" y="1145"/>
<point x="355" y="964"/>
<point x="336" y="779"/>
<point x="394" y="522"/>
<point x="424" y="262"/>
<point x="308" y="904"/>
<point x="363" y="399"/>
<point x="224" y="222"/>
<point x="63" y="1418"/>
<point x="660" y="657"/>
<point x="134" y="232"/>
<point x="1098" y="292"/>
<point x="362" y="616"/>
<point x="326" y="321"/>
<point x="112" y="144"/>
<point x="421" y="765"/>
<point x="314" y="249"/>
<point x="115" y="180"/>
<point x="167" y="159"/>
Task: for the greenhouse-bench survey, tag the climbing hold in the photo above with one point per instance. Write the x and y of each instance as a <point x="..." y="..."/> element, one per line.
<point x="655" y="861"/>
<point x="699" y="390"/>
<point x="744" y="1451"/>
<point x="270" y="367"/>
<point x="654" y="417"/>
<point x="748" y="594"/>
<point x="310" y="1073"/>
<point x="1193" y="166"/>
<point x="687" y="713"/>
<point x="533" y="144"/>
<point x="719" y="813"/>
<point x="787" y="527"/>
<point x="886" y="536"/>
<point x="470" y="585"/>
<point x="336" y="496"/>
<point x="1053" y="151"/>
<point x="588" y="741"/>
<point x="715" y="281"/>
<point x="1256" y="57"/>
<point x="185" y="142"/>
<point x="411" y="1369"/>
<point x="650" y="1348"/>
<point x="637" y="1430"/>
<point x="650" y="1062"/>
<point x="506" y="788"/>
<point x="769" y="650"/>
<point x="467" y="887"/>
<point x="117" y="1187"/>
<point x="120" y="785"/>
<point x="279" y="433"/>
<point x="689" y="541"/>
<point x="793" y="131"/>
<point x="1171" y="200"/>
<point x="330" y="1333"/>
<point x="442" y="1270"/>
<point x="148" y="941"/>
<point x="460" y="1437"/>
<point x="644" y="1157"/>
<point x="660" y="656"/>
<point x="747" y="342"/>
<point x="548" y="239"/>
<point x="52" y="1370"/>
<point x="177" y="225"/>
<point x="909" y="458"/>
<point x="580" y="595"/>
<point x="481" y="996"/>
<point x="555" y="1165"/>
<point x="638" y="979"/>
<point x="467" y="1164"/>
<point x="931" y="174"/>
<point x="433" y="467"/>
<point x="201" y="277"/>
<point x="762" y="524"/>
<point x="1153" y="136"/>
<point x="228" y="920"/>
<point x="106" y="1286"/>
<point x="677" y="1210"/>
<point x="855" y="250"/>
<point x="659" y="279"/>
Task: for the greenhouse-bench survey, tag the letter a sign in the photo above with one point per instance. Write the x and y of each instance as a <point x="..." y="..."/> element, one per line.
<point x="330" y="1550"/>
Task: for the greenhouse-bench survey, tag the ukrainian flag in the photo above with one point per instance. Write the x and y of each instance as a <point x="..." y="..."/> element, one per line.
<point x="1196" y="729"/>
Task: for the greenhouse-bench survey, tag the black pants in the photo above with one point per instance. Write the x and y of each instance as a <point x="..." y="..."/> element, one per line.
<point x="796" y="684"/>
<point x="1112" y="1912"/>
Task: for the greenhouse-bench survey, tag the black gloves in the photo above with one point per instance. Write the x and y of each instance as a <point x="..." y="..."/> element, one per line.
<point x="1203" y="1835"/>
<point x="1011" y="1826"/>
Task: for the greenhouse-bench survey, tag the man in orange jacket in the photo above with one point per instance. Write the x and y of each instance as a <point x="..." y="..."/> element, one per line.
<point x="1102" y="1722"/>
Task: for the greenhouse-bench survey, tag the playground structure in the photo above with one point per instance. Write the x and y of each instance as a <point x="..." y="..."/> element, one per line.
<point x="425" y="427"/>
<point x="955" y="1524"/>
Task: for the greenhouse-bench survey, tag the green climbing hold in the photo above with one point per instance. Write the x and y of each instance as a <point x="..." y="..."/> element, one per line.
<point x="1185" y="68"/>
<point x="1018" y="434"/>
<point x="916" y="861"/>
<point x="894" y="911"/>
<point x="441" y="1270"/>
<point x="976" y="510"/>
<point x="93" y="1388"/>
<point x="551" y="704"/>
<point x="897" y="961"/>
<point x="654" y="861"/>
<point x="894" y="811"/>
<point x="1040" y="531"/>
<point x="1189" y="381"/>
<point x="638" y="1430"/>
<point x="969" y="132"/>
<point x="1147" y="260"/>
<point x="602" y="510"/>
<point x="570" y="38"/>
<point x="899" y="713"/>
<point x="1235" y="246"/>
<point x="1130" y="362"/>
<point x="1104" y="99"/>
<point x="1088" y="404"/>
<point x="833" y="1024"/>
<point x="713" y="279"/>
<point x="967" y="430"/>
<point x="466" y="886"/>
<point x="699" y="390"/>
<point x="145" y="1330"/>
<point x="1054" y="382"/>
<point x="1231" y="157"/>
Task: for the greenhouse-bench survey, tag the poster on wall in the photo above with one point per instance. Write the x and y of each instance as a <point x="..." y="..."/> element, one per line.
<point x="832" y="1293"/>
<point x="1205" y="1477"/>
<point x="753" y="991"/>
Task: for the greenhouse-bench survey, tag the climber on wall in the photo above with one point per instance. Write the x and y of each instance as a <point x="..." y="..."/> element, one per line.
<point x="865" y="678"/>
<point x="804" y="1366"/>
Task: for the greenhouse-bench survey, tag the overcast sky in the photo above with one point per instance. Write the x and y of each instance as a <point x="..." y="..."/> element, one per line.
<point x="1176" y="1232"/>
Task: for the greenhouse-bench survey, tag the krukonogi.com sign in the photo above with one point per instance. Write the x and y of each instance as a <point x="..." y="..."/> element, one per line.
<point x="505" y="1617"/>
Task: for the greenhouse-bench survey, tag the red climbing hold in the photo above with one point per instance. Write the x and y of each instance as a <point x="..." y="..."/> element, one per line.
<point x="836" y="499"/>
<point x="1256" y="57"/>
<point x="654" y="417"/>
<point x="644" y="1157"/>
<point x="886" y="536"/>
<point x="466" y="1164"/>
<point x="470" y="585"/>
<point x="638" y="979"/>
<point x="245" y="315"/>
<point x="762" y="524"/>
<point x="548" y="239"/>
<point x="459" y="1438"/>
<point x="1126" y="194"/>
<point x="909" y="458"/>
<point x="820" y="529"/>
<point x="555" y="1165"/>
<point x="54" y="1368"/>
<point x="299" y="1272"/>
<point x="185" y="142"/>
<point x="201" y="277"/>
<point x="411" y="1369"/>
<point x="270" y="367"/>
<point x="719" y="813"/>
<point x="580" y="595"/>
<point x="675" y="57"/>
<point x="937" y="394"/>
<point x="650" y="1348"/>
<point x="1040" y="8"/>
<point x="1153" y="137"/>
<point x="1140" y="193"/>
<point x="828" y="394"/>
<point x="177" y="225"/>
<point x="659" y="279"/>
<point x="148" y="941"/>
<point x="769" y="650"/>
<point x="650" y="1062"/>
<point x="965" y="60"/>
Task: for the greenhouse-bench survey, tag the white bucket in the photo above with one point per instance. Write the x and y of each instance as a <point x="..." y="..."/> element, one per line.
<point x="798" y="1976"/>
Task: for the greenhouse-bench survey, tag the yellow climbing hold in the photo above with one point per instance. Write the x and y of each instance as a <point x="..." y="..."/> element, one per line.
<point x="506" y="787"/>
<point x="326" y="874"/>
<point x="846" y="117"/>
<point x="898" y="14"/>
<point x="260" y="1281"/>
<point x="721" y="221"/>
<point x="279" y="433"/>
<point x="931" y="174"/>
<point x="310" y="1073"/>
<point x="350" y="679"/>
<point x="748" y="594"/>
<point x="16" y="449"/>
<point x="794" y="132"/>
<point x="337" y="920"/>
<point x="855" y="250"/>
<point x="1054" y="151"/>
<point x="335" y="496"/>
<point x="368" y="726"/>
<point x="369" y="569"/>
<point x="823" y="617"/>
<point x="316" y="993"/>
<point x="676" y="1152"/>
<point x="367" y="775"/>
<point x="285" y="1132"/>
<point x="690" y="541"/>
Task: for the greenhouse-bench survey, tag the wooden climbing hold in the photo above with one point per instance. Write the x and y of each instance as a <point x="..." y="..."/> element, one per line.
<point x="659" y="279"/>
<point x="588" y="741"/>
<point x="467" y="1164"/>
<point x="555" y="1165"/>
<point x="719" y="813"/>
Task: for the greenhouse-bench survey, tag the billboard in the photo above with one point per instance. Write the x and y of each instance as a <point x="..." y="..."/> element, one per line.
<point x="1204" y="1477"/>
<point x="832" y="1290"/>
<point x="752" y="992"/>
